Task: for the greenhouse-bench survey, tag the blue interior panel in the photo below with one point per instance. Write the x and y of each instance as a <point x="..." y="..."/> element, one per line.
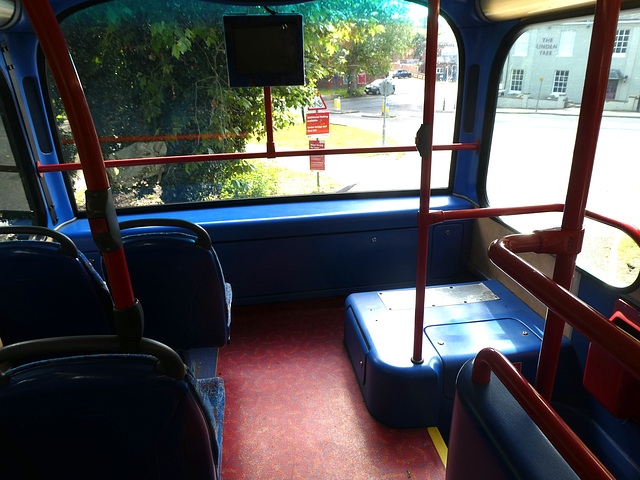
<point x="286" y="251"/>
<point x="460" y="320"/>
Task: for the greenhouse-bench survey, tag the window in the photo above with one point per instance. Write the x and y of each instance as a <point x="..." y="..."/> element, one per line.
<point x="517" y="77"/>
<point x="15" y="207"/>
<point x="567" y="40"/>
<point x="165" y="93"/>
<point x="612" y="88"/>
<point x="560" y="79"/>
<point x="521" y="46"/>
<point x="621" y="43"/>
<point x="531" y="153"/>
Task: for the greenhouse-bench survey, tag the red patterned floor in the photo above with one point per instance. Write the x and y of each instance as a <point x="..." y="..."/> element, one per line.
<point x="294" y="409"/>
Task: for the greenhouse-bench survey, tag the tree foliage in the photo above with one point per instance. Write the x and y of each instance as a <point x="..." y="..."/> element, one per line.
<point x="366" y="35"/>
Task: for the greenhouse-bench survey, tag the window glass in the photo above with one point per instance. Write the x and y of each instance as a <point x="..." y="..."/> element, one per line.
<point x="534" y="137"/>
<point x="621" y="42"/>
<point x="155" y="76"/>
<point x="521" y="47"/>
<point x="517" y="76"/>
<point x="560" y="80"/>
<point x="14" y="205"/>
<point x="567" y="39"/>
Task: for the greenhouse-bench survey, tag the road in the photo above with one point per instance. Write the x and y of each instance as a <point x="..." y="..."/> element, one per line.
<point x="537" y="147"/>
<point x="405" y="111"/>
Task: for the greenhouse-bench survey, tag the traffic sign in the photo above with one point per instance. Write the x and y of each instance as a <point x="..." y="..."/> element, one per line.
<point x="318" y="103"/>
<point x="386" y="87"/>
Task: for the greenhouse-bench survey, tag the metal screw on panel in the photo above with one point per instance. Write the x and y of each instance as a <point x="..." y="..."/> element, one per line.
<point x="374" y="239"/>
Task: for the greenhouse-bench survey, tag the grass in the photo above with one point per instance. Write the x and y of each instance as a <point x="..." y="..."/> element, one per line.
<point x="294" y="138"/>
<point x="287" y="181"/>
<point x="341" y="92"/>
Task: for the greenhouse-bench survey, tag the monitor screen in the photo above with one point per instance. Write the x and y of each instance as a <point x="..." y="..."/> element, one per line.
<point x="264" y="50"/>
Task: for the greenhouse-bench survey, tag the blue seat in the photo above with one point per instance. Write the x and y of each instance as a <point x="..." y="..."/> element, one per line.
<point x="176" y="275"/>
<point x="48" y="288"/>
<point x="85" y="411"/>
<point x="492" y="437"/>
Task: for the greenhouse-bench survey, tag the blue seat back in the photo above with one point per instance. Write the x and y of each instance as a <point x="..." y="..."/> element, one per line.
<point x="176" y="275"/>
<point x="493" y="438"/>
<point x="106" y="416"/>
<point x="49" y="288"/>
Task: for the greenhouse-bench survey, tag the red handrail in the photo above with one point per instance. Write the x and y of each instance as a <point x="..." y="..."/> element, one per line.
<point x="621" y="346"/>
<point x="573" y="450"/>
<point x="161" y="138"/>
<point x="217" y="157"/>
<point x="438" y="216"/>
<point x="603" y="35"/>
<point x="47" y="29"/>
<point x="424" y="142"/>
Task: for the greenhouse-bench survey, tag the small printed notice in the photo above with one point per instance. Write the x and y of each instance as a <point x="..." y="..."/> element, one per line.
<point x="316" y="162"/>
<point x="317" y="124"/>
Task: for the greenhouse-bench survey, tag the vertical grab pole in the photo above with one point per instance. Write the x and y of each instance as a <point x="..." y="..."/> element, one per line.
<point x="268" y="121"/>
<point x="424" y="143"/>
<point x="593" y="97"/>
<point x="128" y="317"/>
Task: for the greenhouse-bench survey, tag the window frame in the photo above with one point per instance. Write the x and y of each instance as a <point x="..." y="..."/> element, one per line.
<point x="295" y="198"/>
<point x="13" y="125"/>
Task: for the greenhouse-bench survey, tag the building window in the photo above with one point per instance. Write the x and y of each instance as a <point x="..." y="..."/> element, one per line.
<point x="517" y="77"/>
<point x="521" y="46"/>
<point x="621" y="43"/>
<point x="612" y="88"/>
<point x="560" y="82"/>
<point x="567" y="40"/>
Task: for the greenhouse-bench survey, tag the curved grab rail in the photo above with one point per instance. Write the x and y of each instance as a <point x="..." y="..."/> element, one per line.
<point x="66" y="244"/>
<point x="169" y="362"/>
<point x="572" y="449"/>
<point x="202" y="237"/>
<point x="622" y="347"/>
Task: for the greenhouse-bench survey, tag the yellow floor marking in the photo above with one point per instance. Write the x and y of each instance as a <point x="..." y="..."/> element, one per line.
<point x="438" y="442"/>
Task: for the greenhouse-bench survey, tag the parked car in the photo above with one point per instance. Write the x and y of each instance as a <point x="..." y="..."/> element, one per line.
<point x="401" y="73"/>
<point x="374" y="87"/>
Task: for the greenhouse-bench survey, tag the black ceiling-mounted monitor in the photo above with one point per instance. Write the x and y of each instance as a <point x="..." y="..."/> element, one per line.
<point x="264" y="50"/>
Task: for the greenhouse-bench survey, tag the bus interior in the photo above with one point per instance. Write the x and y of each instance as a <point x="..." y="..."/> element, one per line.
<point x="222" y="258"/>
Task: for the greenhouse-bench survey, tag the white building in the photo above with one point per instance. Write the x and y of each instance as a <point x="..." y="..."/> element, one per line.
<point x="546" y="66"/>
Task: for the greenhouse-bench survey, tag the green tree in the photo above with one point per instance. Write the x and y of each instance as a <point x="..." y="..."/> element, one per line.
<point x="364" y="35"/>
<point x="156" y="68"/>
